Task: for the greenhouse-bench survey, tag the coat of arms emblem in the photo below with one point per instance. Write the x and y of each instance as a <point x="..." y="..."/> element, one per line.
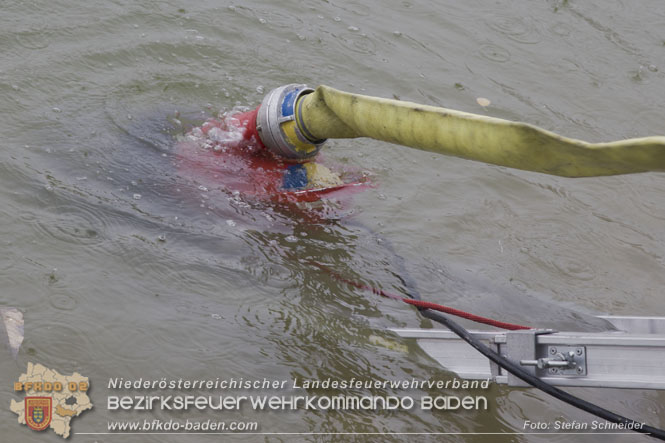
<point x="38" y="412"/>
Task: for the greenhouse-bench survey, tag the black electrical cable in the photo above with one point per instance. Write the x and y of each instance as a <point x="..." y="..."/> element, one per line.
<point x="534" y="381"/>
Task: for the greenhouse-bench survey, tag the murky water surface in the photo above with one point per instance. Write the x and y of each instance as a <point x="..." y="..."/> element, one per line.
<point x="124" y="267"/>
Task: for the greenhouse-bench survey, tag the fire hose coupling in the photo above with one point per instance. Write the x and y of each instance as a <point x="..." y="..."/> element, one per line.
<point x="281" y="129"/>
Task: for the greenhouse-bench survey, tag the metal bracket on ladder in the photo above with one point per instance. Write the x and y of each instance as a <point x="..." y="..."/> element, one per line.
<point x="631" y="358"/>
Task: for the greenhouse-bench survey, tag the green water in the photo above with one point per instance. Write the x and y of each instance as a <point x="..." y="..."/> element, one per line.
<point x="124" y="268"/>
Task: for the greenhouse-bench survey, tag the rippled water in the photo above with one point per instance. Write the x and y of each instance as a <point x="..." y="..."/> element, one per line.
<point x="123" y="267"/>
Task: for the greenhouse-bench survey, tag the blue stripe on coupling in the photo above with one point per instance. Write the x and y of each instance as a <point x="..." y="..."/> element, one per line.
<point x="295" y="177"/>
<point x="288" y="102"/>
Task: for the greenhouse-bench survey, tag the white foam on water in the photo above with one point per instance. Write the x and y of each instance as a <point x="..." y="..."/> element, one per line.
<point x="222" y="133"/>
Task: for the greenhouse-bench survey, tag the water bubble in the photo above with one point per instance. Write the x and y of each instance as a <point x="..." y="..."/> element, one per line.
<point x="397" y="33"/>
<point x="291" y="238"/>
<point x="482" y="101"/>
<point x="233" y="134"/>
<point x="216" y="316"/>
<point x="55" y="109"/>
<point x="230" y="223"/>
<point x="203" y="188"/>
<point x="495" y="53"/>
<point x="262" y="21"/>
<point x="162" y="238"/>
<point x="353" y="29"/>
<point x="337" y="19"/>
<point x="137" y="196"/>
<point x="653" y="68"/>
<point x="259" y="89"/>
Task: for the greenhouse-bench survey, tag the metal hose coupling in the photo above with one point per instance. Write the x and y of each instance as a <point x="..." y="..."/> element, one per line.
<point x="277" y="126"/>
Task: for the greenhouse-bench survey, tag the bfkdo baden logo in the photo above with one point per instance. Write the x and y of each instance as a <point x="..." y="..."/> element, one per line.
<point x="52" y="400"/>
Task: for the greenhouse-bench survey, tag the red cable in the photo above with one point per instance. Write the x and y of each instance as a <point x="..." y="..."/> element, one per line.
<point x="463" y="314"/>
<point x="425" y="304"/>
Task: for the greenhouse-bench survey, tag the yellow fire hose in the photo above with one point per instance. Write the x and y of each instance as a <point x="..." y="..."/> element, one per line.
<point x="309" y="117"/>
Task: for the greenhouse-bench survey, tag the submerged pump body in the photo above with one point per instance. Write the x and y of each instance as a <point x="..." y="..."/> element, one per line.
<point x="290" y="174"/>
